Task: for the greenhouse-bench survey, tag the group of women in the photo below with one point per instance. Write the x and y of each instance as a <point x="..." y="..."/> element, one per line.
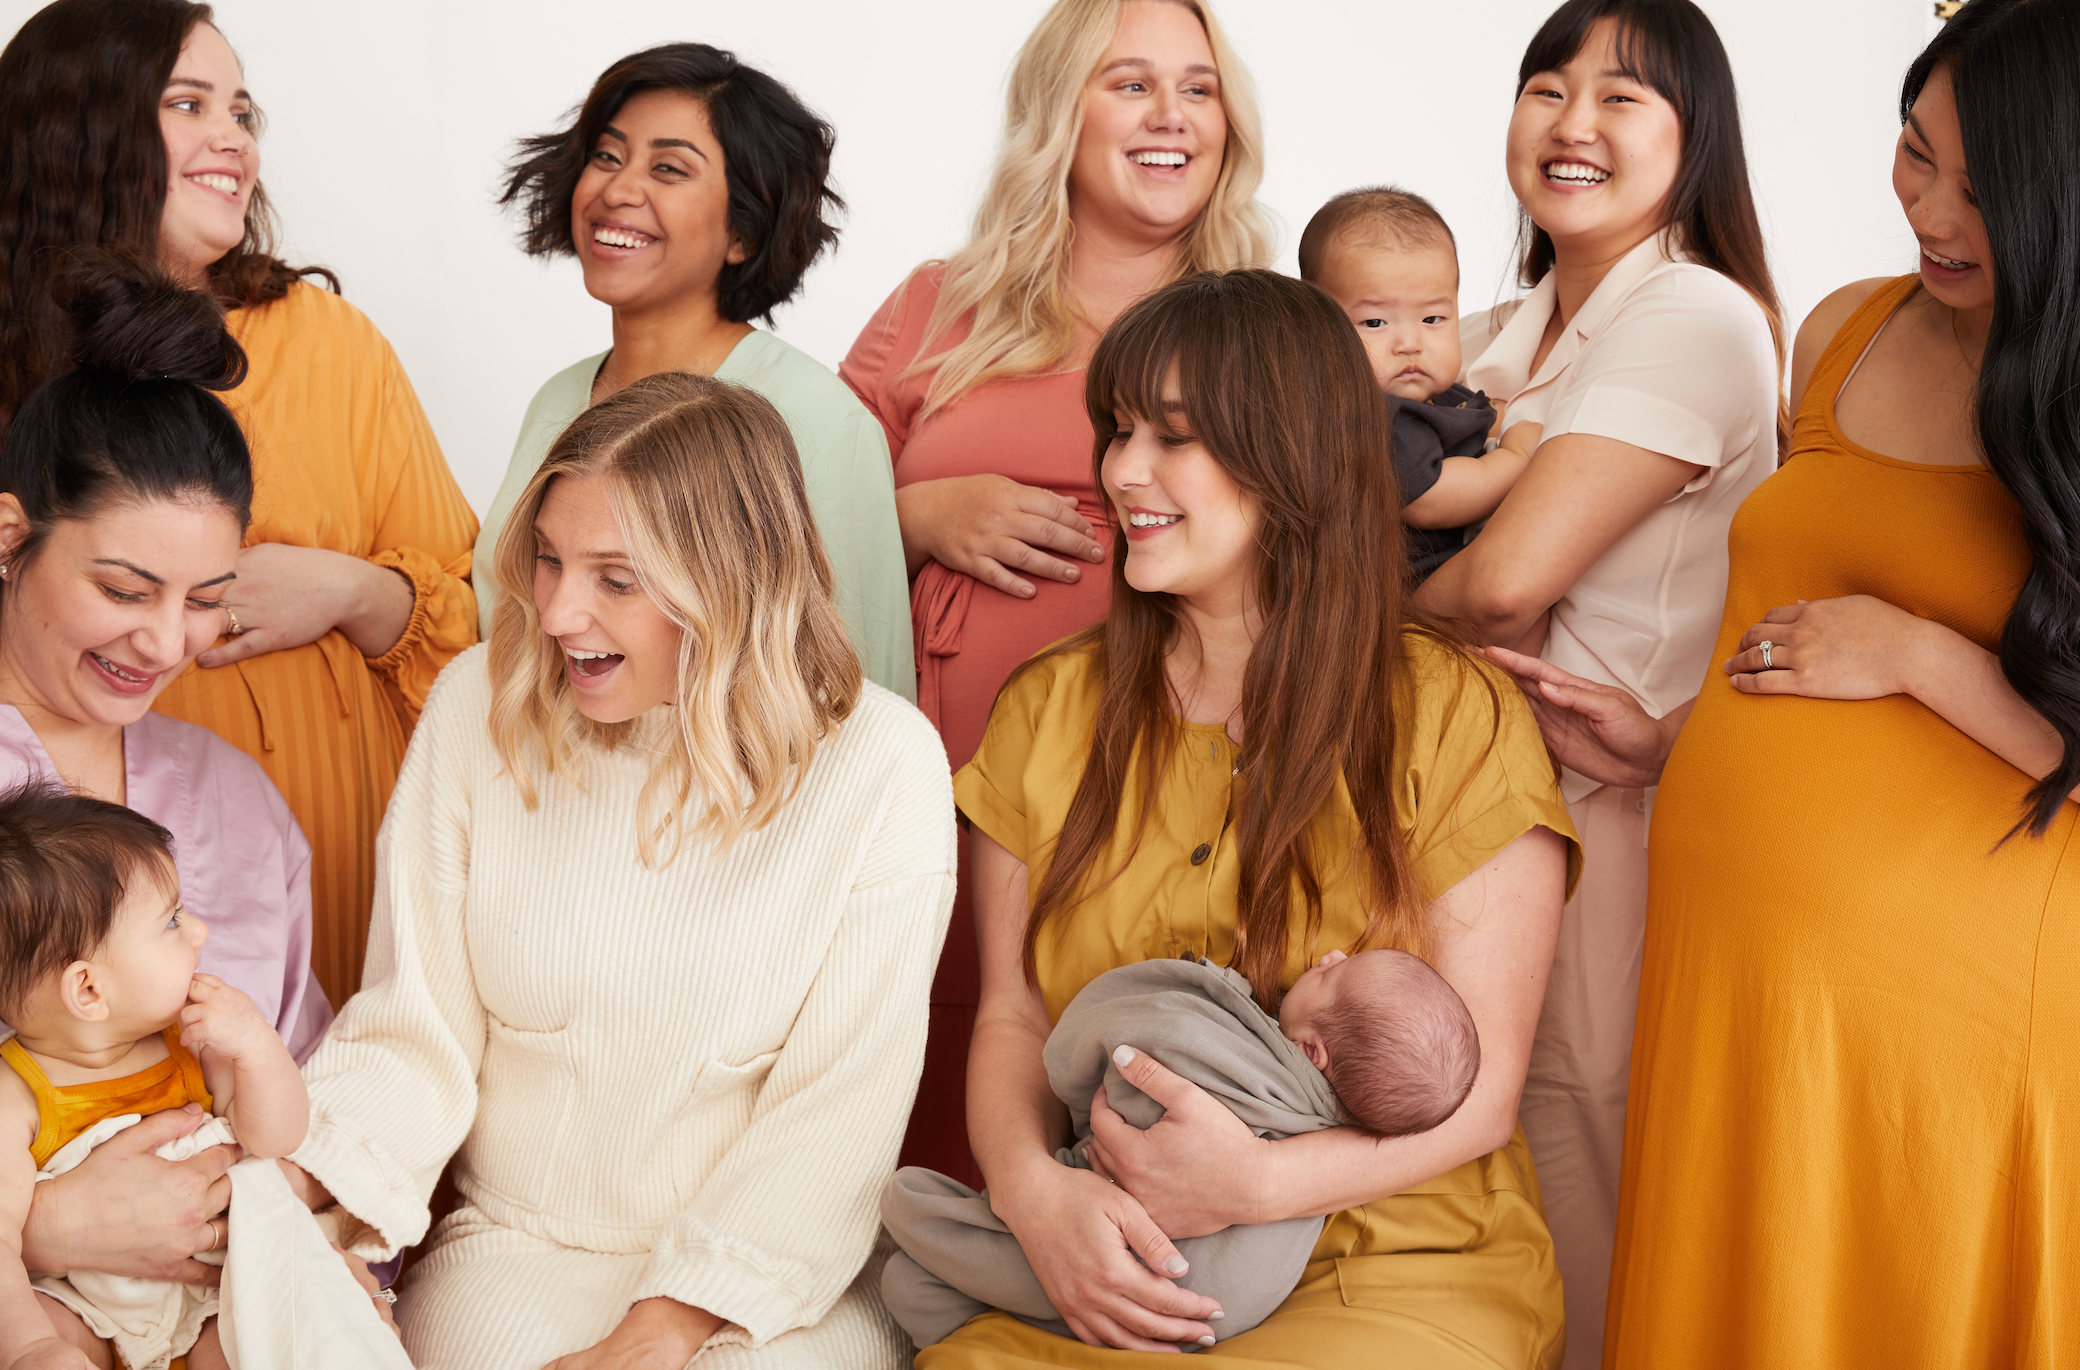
<point x="668" y="948"/>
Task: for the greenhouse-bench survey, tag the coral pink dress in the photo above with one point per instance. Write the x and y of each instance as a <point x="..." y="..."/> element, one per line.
<point x="969" y="637"/>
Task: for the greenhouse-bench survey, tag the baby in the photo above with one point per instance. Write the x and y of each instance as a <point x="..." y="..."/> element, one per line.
<point x="1387" y="257"/>
<point x="98" y="977"/>
<point x="1377" y="1041"/>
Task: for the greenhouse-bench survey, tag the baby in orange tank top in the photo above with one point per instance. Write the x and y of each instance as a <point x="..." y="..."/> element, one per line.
<point x="98" y="978"/>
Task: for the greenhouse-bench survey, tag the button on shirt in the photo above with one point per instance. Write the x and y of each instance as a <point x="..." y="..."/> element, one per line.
<point x="1678" y="359"/>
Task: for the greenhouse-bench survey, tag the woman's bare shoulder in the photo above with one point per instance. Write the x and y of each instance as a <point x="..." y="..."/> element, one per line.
<point x="1822" y="324"/>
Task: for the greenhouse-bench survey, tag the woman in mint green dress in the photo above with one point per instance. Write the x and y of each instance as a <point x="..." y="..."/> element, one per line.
<point x="692" y="191"/>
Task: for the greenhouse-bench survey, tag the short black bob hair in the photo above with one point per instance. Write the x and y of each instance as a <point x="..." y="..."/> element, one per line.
<point x="776" y="156"/>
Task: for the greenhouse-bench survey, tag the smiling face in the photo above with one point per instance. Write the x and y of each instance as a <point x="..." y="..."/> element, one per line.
<point x="1593" y="153"/>
<point x="143" y="970"/>
<point x="1191" y="530"/>
<point x="1935" y="190"/>
<point x="1403" y="298"/>
<point x="212" y="160"/>
<point x="650" y="216"/>
<point x="1153" y="130"/>
<point x="111" y="607"/>
<point x="621" y="653"/>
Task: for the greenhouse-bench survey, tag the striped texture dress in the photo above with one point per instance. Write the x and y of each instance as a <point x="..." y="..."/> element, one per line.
<point x="343" y="459"/>
<point x="686" y="1082"/>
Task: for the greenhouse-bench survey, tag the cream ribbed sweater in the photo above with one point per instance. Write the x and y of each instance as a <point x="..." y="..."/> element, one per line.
<point x="687" y="1082"/>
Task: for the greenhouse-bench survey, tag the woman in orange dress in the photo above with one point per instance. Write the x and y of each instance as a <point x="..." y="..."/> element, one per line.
<point x="1856" y="1077"/>
<point x="353" y="588"/>
<point x="1131" y="157"/>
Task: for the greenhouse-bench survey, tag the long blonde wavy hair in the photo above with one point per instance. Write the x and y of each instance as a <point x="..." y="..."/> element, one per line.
<point x="706" y="486"/>
<point x="1013" y="276"/>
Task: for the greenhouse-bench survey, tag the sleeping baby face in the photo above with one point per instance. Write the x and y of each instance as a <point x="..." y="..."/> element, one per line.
<point x="1299" y="1016"/>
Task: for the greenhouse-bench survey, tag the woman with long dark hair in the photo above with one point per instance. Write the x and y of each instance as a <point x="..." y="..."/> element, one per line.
<point x="127" y="124"/>
<point x="1647" y="353"/>
<point x="1251" y="760"/>
<point x="1853" y="1091"/>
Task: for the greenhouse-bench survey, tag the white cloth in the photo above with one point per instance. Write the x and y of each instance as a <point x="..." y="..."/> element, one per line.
<point x="1676" y="358"/>
<point x="287" y="1302"/>
<point x="688" y="1081"/>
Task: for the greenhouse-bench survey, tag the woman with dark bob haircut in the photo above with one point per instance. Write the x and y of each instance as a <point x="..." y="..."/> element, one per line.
<point x="693" y="190"/>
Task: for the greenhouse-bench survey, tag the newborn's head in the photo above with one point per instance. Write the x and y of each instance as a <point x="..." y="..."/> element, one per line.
<point x="1394" y="1039"/>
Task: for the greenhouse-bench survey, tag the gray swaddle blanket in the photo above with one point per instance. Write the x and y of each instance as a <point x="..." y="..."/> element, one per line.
<point x="957" y="1257"/>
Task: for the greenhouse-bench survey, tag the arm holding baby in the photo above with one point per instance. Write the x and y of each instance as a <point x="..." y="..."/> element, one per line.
<point x="1468" y="489"/>
<point x="28" y="1340"/>
<point x="252" y="1078"/>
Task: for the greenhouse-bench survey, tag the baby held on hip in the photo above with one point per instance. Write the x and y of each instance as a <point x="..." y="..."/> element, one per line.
<point x="1377" y="1041"/>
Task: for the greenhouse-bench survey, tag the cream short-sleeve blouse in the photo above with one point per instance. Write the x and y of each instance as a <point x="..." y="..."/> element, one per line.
<point x="1676" y="358"/>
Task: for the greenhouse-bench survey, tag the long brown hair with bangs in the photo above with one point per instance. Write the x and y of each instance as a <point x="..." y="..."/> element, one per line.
<point x="1275" y="384"/>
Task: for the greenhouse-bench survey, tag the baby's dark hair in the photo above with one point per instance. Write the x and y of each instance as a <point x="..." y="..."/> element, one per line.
<point x="1403" y="1050"/>
<point x="1390" y="212"/>
<point x="66" y="863"/>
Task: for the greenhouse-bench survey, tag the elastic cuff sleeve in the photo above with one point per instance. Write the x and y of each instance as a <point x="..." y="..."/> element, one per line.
<point x="739" y="1284"/>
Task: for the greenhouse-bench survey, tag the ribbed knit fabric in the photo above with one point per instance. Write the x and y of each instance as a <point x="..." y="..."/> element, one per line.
<point x="688" y="1082"/>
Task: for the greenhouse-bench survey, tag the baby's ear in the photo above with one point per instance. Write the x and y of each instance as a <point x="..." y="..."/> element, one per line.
<point x="79" y="990"/>
<point x="1313" y="1045"/>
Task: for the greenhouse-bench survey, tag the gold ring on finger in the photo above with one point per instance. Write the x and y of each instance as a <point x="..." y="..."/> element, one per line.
<point x="1766" y="645"/>
<point x="232" y="614"/>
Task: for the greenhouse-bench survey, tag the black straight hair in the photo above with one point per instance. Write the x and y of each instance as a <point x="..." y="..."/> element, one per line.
<point x="1670" y="47"/>
<point x="776" y="157"/>
<point x="134" y="419"/>
<point x="2015" y="65"/>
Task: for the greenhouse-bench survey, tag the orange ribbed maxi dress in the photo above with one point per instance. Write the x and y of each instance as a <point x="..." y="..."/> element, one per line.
<point x="343" y="459"/>
<point x="1854" y="1132"/>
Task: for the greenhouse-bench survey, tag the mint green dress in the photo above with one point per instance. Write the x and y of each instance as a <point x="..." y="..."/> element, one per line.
<point x="845" y="468"/>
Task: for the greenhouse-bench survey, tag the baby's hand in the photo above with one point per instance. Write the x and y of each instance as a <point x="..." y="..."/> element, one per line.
<point x="50" y="1353"/>
<point x="224" y="1021"/>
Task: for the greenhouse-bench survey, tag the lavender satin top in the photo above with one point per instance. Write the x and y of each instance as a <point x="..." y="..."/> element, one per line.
<point x="245" y="867"/>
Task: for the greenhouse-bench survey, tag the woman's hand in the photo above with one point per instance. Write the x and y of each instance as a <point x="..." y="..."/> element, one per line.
<point x="990" y="527"/>
<point x="1198" y="1170"/>
<point x="1597" y="730"/>
<point x="1081" y="1234"/>
<point x="287" y="596"/>
<point x="656" y="1334"/>
<point x="365" y="1277"/>
<point x="127" y="1212"/>
<point x="1858" y="647"/>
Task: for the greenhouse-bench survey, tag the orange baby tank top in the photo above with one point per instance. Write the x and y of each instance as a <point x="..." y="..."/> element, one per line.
<point x="65" y="1111"/>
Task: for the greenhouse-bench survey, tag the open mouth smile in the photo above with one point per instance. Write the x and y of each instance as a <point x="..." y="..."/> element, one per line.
<point x="1571" y="173"/>
<point x="588" y="668"/>
<point x="626" y="239"/>
<point x="125" y="680"/>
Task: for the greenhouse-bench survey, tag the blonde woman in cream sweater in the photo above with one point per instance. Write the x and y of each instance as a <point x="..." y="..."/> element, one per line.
<point x="659" y="896"/>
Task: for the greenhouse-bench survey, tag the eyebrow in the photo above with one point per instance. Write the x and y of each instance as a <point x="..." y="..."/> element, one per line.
<point x="1195" y="69"/>
<point x="134" y="569"/>
<point x="1371" y="303"/>
<point x="206" y="87"/>
<point x="1915" y="124"/>
<point x="694" y="148"/>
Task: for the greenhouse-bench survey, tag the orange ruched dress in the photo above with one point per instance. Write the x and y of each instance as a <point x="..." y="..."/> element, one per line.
<point x="1854" y="1131"/>
<point x="343" y="459"/>
<point x="969" y="637"/>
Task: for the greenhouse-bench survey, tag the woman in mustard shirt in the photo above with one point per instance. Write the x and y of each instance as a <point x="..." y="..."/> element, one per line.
<point x="1275" y="771"/>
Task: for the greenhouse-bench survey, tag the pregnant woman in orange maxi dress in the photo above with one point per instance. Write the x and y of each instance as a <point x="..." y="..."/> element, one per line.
<point x="1856" y="1079"/>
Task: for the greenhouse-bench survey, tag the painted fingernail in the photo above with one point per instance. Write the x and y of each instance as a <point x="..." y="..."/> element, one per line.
<point x="1176" y="1264"/>
<point x="1123" y="1055"/>
<point x="1215" y="1316"/>
<point x="1206" y="1340"/>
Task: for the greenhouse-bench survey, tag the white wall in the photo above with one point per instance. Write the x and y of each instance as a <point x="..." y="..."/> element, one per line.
<point x="388" y="121"/>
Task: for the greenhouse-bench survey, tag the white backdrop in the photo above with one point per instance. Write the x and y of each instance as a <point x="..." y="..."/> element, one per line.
<point x="389" y="120"/>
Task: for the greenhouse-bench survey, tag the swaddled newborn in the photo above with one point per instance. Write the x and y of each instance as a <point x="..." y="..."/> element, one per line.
<point x="1377" y="1041"/>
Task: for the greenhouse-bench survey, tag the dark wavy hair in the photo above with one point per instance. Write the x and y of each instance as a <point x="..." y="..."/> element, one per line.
<point x="1670" y="47"/>
<point x="134" y="417"/>
<point x="83" y="164"/>
<point x="776" y="156"/>
<point x="2013" y="64"/>
<point x="1307" y="436"/>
